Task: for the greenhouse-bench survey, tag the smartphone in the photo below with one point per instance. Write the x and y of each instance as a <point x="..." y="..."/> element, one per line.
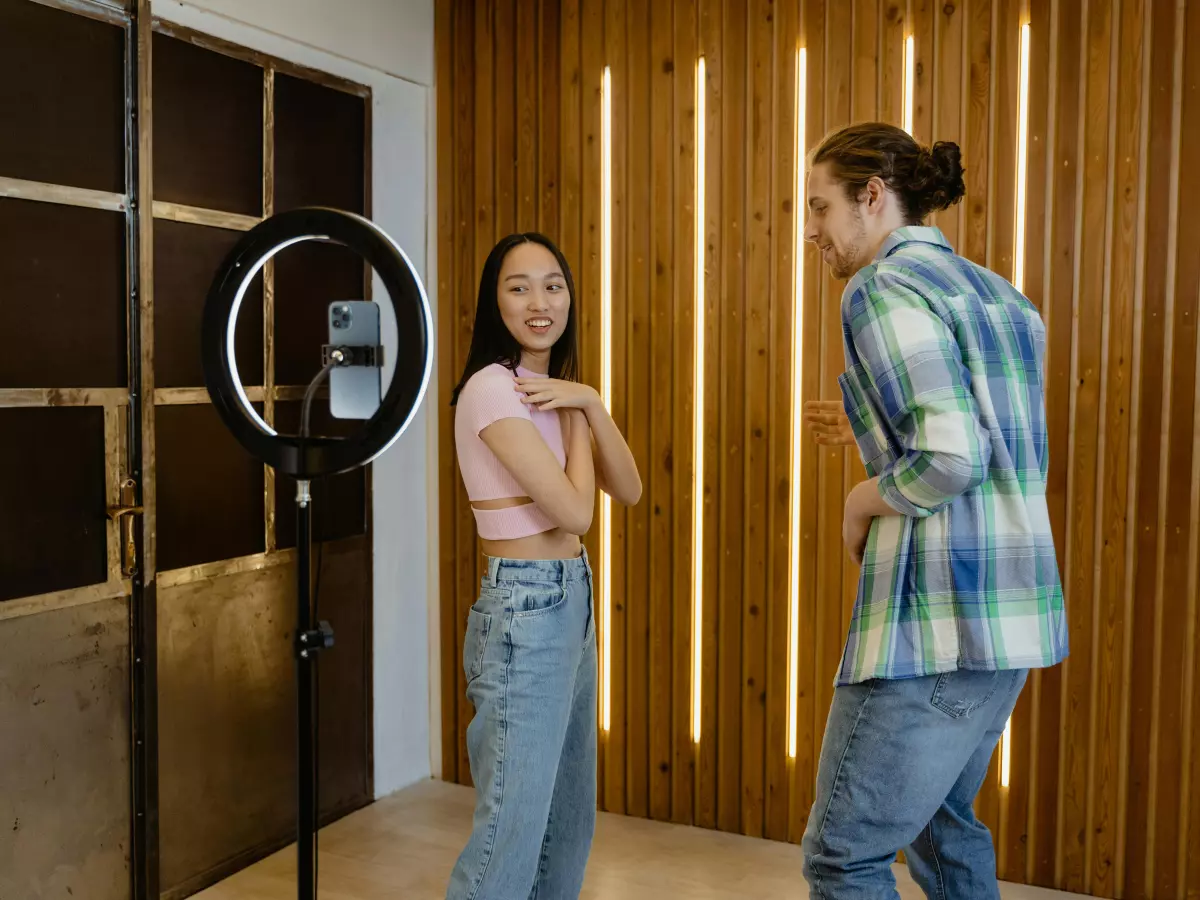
<point x="354" y="391"/>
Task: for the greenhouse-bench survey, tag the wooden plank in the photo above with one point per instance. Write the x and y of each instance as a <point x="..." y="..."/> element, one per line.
<point x="1173" y="765"/>
<point x="924" y="15"/>
<point x="108" y="397"/>
<point x="448" y="89"/>
<point x="868" y="25"/>
<point x="1151" y="371"/>
<point x="588" y="286"/>
<point x="683" y="303"/>
<point x="811" y="673"/>
<point x="950" y="97"/>
<point x="731" y="423"/>
<point x="483" y="138"/>
<point x="100" y="10"/>
<point x="714" y="62"/>
<point x="548" y="111"/>
<point x="268" y="288"/>
<point x="193" y="396"/>
<point x="976" y="160"/>
<point x="616" y="783"/>
<point x="224" y="567"/>
<point x="1015" y="842"/>
<point x="829" y="633"/>
<point x="661" y="494"/>
<point x="893" y="30"/>
<point x="506" y="109"/>
<point x="1113" y="600"/>
<point x="1188" y="874"/>
<point x="638" y="335"/>
<point x="1001" y="212"/>
<point x="194" y="215"/>
<point x="778" y="500"/>
<point x="114" y="470"/>
<point x="1061" y="204"/>
<point x="20" y="189"/>
<point x="1084" y="462"/>
<point x="526" y="149"/>
<point x="755" y="385"/>
<point x="145" y="233"/>
<point x="43" y="603"/>
<point x="570" y="239"/>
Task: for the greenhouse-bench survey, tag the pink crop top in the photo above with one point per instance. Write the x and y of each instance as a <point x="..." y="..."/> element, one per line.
<point x="487" y="397"/>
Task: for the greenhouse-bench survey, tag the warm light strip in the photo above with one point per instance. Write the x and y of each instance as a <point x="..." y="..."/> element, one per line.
<point x="797" y="373"/>
<point x="1018" y="279"/>
<point x="910" y="66"/>
<point x="606" y="391"/>
<point x="1022" y="160"/>
<point x="698" y="427"/>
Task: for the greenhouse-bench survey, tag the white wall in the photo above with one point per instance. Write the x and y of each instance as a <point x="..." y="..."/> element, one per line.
<point x="388" y="45"/>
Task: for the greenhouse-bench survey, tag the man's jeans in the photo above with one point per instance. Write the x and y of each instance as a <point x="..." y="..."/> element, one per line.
<point x="530" y="661"/>
<point x="901" y="763"/>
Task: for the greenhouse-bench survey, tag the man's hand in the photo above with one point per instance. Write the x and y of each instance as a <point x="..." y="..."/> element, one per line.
<point x="827" y="421"/>
<point x="856" y="527"/>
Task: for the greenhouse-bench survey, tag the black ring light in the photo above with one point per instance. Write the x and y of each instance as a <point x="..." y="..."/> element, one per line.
<point x="413" y="357"/>
<point x="305" y="458"/>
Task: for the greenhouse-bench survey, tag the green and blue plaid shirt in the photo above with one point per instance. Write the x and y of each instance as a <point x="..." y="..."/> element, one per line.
<point x="944" y="390"/>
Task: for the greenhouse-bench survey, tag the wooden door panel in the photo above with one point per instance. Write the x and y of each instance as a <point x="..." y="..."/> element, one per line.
<point x="186" y="258"/>
<point x="64" y="759"/>
<point x="227" y="709"/>
<point x="64" y="295"/>
<point x="55" y="535"/>
<point x="210" y="490"/>
<point x="62" y="89"/>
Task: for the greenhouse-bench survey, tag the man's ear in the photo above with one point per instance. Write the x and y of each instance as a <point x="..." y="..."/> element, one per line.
<point x="875" y="191"/>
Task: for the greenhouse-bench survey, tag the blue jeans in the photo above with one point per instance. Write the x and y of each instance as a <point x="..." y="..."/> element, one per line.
<point x="530" y="661"/>
<point x="901" y="763"/>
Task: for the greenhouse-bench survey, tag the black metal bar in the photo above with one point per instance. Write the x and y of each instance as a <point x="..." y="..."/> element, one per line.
<point x="306" y="656"/>
<point x="144" y="848"/>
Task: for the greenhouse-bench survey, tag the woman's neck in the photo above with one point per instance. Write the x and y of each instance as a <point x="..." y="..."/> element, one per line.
<point x="537" y="362"/>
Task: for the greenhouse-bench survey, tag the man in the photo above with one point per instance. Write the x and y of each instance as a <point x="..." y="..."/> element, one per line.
<point x="959" y="593"/>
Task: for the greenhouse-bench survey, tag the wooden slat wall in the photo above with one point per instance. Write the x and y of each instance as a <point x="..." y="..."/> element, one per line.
<point x="1105" y="790"/>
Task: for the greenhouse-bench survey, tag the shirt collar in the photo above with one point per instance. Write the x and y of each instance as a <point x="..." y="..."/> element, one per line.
<point x="906" y="234"/>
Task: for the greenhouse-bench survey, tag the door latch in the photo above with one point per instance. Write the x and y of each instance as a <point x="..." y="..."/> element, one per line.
<point x="125" y="516"/>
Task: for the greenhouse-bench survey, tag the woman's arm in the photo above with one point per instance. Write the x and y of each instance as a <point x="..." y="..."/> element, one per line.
<point x="615" y="468"/>
<point x="567" y="496"/>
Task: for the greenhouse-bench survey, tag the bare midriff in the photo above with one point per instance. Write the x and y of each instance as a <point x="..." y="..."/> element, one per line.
<point x="553" y="544"/>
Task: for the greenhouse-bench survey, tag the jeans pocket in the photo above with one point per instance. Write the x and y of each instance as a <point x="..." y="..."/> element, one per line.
<point x="959" y="694"/>
<point x="532" y="599"/>
<point x="479" y="625"/>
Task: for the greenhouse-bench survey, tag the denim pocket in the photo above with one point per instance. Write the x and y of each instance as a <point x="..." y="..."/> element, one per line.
<point x="959" y="694"/>
<point x="536" y="598"/>
<point x="479" y="625"/>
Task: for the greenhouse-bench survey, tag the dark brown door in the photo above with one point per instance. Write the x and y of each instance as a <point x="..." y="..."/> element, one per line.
<point x="147" y="569"/>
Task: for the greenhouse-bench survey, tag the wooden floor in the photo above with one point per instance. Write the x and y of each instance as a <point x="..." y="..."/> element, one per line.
<point x="404" y="847"/>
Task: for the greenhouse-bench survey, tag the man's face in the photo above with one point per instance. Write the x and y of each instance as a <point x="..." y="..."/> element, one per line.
<point x="835" y="224"/>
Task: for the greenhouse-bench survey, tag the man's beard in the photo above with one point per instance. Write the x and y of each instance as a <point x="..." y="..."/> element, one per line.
<point x="846" y="262"/>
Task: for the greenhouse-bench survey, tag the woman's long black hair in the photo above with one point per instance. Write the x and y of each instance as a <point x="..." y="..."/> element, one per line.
<point x="492" y="342"/>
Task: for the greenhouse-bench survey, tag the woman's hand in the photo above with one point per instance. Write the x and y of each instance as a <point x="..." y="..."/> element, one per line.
<point x="550" y="393"/>
<point x="827" y="421"/>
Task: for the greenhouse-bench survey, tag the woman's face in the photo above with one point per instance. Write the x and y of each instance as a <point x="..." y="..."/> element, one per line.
<point x="533" y="297"/>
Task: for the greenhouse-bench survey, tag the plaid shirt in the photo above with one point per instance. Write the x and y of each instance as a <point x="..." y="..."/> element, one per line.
<point x="944" y="390"/>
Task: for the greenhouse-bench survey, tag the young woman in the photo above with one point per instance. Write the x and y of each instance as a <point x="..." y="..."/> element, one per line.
<point x="533" y="445"/>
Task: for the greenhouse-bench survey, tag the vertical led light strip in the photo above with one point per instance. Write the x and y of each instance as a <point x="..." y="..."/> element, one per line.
<point x="797" y="376"/>
<point x="1018" y="279"/>
<point x="698" y="426"/>
<point x="910" y="67"/>
<point x="606" y="390"/>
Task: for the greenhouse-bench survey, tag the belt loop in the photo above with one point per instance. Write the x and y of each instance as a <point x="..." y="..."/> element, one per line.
<point x="563" y="572"/>
<point x="493" y="570"/>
